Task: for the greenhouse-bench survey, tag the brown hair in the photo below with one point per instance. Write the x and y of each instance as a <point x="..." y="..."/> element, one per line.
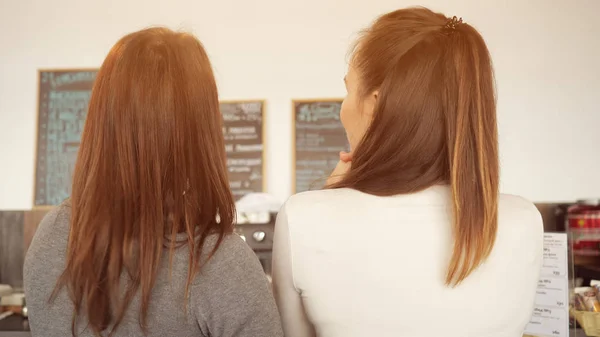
<point x="434" y="123"/>
<point x="151" y="164"/>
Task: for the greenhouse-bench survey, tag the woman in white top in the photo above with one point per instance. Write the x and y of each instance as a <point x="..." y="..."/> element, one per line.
<point x="411" y="236"/>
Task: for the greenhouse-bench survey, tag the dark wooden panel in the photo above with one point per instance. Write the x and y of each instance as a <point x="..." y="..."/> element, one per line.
<point x="31" y="222"/>
<point x="553" y="215"/>
<point x="549" y="216"/>
<point x="11" y="248"/>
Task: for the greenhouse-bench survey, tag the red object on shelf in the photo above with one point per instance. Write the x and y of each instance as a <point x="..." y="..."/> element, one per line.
<point x="584" y="224"/>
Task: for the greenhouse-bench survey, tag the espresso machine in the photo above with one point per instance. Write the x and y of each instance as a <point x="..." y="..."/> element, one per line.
<point x="259" y="236"/>
<point x="255" y="223"/>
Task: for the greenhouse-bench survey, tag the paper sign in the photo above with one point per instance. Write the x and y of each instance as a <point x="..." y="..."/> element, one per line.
<point x="551" y="313"/>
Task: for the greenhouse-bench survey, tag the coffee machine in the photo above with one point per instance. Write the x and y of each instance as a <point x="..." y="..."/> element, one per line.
<point x="255" y="223"/>
<point x="258" y="234"/>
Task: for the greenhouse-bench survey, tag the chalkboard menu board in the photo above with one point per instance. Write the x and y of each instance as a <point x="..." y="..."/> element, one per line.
<point x="63" y="99"/>
<point x="243" y="131"/>
<point x="318" y="139"/>
<point x="62" y="106"/>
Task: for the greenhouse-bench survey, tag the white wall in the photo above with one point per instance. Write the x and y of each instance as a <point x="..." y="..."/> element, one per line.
<point x="546" y="54"/>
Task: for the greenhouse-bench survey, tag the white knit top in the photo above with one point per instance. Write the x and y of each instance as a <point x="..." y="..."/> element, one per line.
<point x="349" y="264"/>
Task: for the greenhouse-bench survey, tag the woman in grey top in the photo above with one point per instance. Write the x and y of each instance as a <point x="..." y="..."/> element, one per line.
<point x="145" y="244"/>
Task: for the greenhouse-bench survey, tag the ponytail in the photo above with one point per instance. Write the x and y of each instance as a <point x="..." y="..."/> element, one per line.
<point x="473" y="153"/>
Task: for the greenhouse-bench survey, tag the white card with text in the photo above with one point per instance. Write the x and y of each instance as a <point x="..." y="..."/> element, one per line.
<point x="551" y="313"/>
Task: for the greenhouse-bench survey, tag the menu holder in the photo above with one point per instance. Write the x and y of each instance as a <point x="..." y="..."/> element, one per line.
<point x="318" y="136"/>
<point x="63" y="98"/>
<point x="244" y="130"/>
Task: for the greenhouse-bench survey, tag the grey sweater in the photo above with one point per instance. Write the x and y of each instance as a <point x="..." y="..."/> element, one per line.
<point x="230" y="297"/>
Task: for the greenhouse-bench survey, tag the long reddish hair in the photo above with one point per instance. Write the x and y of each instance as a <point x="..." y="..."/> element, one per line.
<point x="151" y="164"/>
<point x="434" y="123"/>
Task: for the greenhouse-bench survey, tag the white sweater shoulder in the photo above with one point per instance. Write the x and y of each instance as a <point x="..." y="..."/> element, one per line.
<point x="352" y="264"/>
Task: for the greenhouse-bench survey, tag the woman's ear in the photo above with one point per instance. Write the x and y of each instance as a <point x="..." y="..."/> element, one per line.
<point x="370" y="102"/>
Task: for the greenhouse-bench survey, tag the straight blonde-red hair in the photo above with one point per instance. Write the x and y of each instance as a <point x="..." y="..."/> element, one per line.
<point x="151" y="164"/>
<point x="434" y="123"/>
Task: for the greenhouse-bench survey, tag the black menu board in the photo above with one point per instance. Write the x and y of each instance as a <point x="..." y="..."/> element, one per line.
<point x="62" y="108"/>
<point x="243" y="131"/>
<point x="318" y="139"/>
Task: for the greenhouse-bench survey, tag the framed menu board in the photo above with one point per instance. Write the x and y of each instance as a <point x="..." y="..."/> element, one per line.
<point x="243" y="129"/>
<point x="62" y="108"/>
<point x="63" y="97"/>
<point x="318" y="138"/>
